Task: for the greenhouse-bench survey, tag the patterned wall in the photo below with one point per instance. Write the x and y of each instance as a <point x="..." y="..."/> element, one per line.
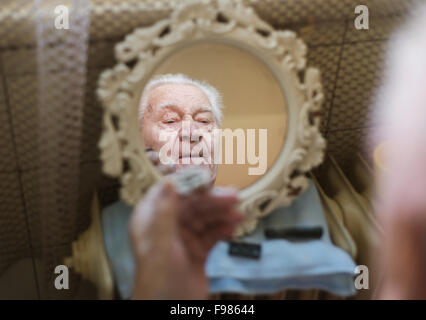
<point x="350" y="61"/>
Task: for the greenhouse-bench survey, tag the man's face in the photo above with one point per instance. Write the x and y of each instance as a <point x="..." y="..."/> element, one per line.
<point x="182" y="113"/>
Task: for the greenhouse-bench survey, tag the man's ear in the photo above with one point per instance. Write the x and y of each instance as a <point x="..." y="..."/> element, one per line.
<point x="146" y="114"/>
<point x="148" y="108"/>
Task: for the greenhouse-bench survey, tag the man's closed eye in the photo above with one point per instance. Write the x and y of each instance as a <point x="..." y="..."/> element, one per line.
<point x="170" y="121"/>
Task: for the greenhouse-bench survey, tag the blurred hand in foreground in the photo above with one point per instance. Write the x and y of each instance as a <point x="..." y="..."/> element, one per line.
<point x="172" y="235"/>
<point x="401" y="191"/>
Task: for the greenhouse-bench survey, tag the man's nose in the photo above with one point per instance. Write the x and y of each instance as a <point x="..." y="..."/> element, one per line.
<point x="190" y="131"/>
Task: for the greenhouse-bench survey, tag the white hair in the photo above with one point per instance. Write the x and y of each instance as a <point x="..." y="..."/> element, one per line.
<point x="212" y="94"/>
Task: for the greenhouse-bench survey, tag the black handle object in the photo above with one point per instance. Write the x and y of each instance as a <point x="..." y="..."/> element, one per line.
<point x="244" y="249"/>
<point x="295" y="233"/>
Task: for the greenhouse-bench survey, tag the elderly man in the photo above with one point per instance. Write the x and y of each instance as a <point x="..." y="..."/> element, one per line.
<point x="180" y="113"/>
<point x="172" y="234"/>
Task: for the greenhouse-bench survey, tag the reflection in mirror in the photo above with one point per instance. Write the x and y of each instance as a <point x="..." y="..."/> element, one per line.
<point x="217" y="106"/>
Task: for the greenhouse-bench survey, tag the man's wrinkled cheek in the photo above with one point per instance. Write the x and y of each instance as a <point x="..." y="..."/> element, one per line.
<point x="158" y="137"/>
<point x="146" y="136"/>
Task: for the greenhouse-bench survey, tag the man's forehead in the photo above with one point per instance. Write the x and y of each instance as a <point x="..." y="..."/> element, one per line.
<point x="176" y="93"/>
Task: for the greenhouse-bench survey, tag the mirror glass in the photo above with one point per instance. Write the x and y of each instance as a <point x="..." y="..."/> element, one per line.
<point x="224" y="103"/>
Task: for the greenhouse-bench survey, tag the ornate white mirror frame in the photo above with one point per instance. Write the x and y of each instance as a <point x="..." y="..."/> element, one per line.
<point x="227" y="22"/>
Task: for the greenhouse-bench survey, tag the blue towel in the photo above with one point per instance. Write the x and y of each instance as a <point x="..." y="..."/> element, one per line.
<point x="283" y="264"/>
<point x="118" y="247"/>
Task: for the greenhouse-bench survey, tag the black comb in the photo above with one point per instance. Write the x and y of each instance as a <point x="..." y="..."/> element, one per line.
<point x="295" y="233"/>
<point x="244" y="249"/>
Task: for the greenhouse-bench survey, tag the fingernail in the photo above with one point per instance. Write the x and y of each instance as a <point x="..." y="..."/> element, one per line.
<point x="220" y="191"/>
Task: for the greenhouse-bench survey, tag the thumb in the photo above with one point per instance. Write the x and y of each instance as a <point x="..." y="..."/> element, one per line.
<point x="154" y="217"/>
